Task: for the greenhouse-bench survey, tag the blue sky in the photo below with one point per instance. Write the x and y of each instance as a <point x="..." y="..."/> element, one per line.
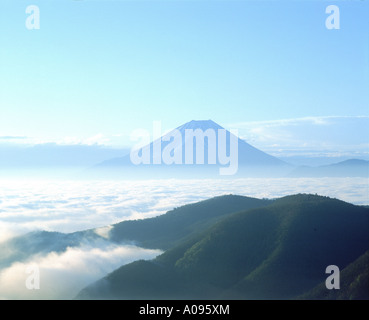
<point x="97" y="70"/>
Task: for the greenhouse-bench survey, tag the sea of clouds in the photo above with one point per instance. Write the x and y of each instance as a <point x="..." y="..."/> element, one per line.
<point x="68" y="206"/>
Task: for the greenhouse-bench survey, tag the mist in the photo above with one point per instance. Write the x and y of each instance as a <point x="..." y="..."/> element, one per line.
<point x="63" y="275"/>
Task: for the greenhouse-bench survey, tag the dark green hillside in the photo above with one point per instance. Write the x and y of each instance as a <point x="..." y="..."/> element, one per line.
<point x="142" y="280"/>
<point x="354" y="283"/>
<point x="165" y="231"/>
<point x="315" y="232"/>
<point x="274" y="252"/>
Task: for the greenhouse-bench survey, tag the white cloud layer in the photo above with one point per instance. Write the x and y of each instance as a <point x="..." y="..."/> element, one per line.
<point x="69" y="206"/>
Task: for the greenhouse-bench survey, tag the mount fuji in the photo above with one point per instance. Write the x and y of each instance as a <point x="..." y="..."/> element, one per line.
<point x="196" y="149"/>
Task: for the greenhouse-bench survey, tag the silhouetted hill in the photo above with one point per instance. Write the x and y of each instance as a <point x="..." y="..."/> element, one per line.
<point x="278" y="251"/>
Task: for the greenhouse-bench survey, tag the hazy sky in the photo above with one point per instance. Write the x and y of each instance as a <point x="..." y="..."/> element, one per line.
<point x="97" y="70"/>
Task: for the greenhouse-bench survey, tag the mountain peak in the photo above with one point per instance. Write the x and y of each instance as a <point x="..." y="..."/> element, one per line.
<point x="180" y="147"/>
<point x="200" y="124"/>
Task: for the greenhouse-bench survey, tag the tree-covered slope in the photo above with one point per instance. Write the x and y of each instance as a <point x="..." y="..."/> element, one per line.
<point x="164" y="231"/>
<point x="275" y="252"/>
<point x="354" y="283"/>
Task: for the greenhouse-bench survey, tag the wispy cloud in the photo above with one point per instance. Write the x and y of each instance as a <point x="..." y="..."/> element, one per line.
<point x="99" y="139"/>
<point x="324" y="133"/>
<point x="317" y="120"/>
<point x="328" y="133"/>
<point x="13" y="137"/>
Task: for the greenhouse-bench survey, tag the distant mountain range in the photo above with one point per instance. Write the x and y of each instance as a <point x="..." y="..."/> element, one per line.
<point x="251" y="161"/>
<point x="227" y="247"/>
<point x="54" y="155"/>
<point x="347" y="168"/>
<point x="196" y="149"/>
